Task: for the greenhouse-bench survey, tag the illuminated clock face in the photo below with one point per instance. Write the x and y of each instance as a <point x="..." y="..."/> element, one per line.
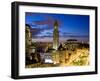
<point x="55" y="27"/>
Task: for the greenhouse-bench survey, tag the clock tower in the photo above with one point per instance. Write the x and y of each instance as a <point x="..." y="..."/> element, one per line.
<point x="55" y="36"/>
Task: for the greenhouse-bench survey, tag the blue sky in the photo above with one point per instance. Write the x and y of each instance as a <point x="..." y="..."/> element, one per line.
<point x="70" y="26"/>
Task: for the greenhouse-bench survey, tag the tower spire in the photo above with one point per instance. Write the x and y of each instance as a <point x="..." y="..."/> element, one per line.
<point x="55" y="36"/>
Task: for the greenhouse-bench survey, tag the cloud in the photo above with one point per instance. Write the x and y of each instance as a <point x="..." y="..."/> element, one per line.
<point x="72" y="35"/>
<point x="36" y="31"/>
<point x="51" y="18"/>
<point x="44" y="22"/>
<point x="49" y="33"/>
<point x="48" y="20"/>
<point x="33" y="25"/>
<point x="79" y="36"/>
<point x="66" y="33"/>
<point x="40" y="26"/>
<point x="42" y="37"/>
<point x="75" y="36"/>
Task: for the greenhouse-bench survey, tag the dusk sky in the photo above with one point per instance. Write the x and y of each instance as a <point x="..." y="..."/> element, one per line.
<point x="70" y="26"/>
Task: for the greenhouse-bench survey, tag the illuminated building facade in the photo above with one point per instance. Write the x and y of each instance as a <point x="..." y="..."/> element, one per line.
<point x="28" y="35"/>
<point x="55" y="36"/>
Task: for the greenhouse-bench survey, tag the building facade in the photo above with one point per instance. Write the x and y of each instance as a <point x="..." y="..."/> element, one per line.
<point x="55" y="36"/>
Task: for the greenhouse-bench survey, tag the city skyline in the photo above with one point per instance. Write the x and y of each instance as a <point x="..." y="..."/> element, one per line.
<point x="70" y="26"/>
